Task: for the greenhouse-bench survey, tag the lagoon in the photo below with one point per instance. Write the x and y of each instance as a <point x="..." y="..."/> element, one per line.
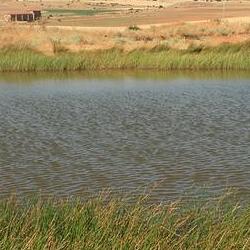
<point x="78" y="134"/>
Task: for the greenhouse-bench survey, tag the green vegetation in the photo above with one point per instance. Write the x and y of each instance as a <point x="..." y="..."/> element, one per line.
<point x="223" y="57"/>
<point x="133" y="27"/>
<point x="74" y="12"/>
<point x="105" y="223"/>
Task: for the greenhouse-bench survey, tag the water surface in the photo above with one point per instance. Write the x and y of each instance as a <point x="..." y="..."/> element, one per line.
<point x="79" y="134"/>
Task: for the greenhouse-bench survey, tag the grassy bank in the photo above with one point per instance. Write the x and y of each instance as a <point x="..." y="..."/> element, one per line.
<point x="115" y="224"/>
<point x="223" y="57"/>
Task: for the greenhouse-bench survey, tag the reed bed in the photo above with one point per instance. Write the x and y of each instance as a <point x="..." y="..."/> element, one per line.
<point x="223" y="57"/>
<point x="103" y="223"/>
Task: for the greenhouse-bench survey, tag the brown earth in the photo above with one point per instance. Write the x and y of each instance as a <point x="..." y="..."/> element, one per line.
<point x="133" y="12"/>
<point x="178" y="25"/>
<point x="189" y="12"/>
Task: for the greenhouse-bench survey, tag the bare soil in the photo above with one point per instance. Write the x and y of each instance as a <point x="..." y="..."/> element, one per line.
<point x="177" y="24"/>
<point x="133" y="12"/>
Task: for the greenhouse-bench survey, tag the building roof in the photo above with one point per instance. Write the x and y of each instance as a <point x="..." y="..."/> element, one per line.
<point x="22" y="12"/>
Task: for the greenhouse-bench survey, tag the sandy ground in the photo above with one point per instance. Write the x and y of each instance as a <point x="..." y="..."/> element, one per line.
<point x="134" y="12"/>
<point x="179" y="24"/>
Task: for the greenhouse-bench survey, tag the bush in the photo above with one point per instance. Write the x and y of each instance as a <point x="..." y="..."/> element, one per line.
<point x="133" y="27"/>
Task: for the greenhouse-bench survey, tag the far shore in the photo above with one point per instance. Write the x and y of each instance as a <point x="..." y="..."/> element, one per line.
<point x="181" y="35"/>
<point x="223" y="57"/>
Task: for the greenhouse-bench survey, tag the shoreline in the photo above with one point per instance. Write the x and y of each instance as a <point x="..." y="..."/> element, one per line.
<point x="223" y="57"/>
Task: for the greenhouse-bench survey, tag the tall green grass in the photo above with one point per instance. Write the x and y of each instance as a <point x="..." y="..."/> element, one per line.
<point x="117" y="224"/>
<point x="224" y="57"/>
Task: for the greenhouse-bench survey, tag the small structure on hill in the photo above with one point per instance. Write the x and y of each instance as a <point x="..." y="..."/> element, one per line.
<point x="24" y="16"/>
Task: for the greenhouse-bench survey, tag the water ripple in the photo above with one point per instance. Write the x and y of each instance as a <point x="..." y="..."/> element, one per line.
<point x="77" y="136"/>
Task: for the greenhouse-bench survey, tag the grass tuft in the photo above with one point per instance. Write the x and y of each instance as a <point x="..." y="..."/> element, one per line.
<point x="106" y="223"/>
<point x="133" y="27"/>
<point x="161" y="57"/>
<point x="57" y="47"/>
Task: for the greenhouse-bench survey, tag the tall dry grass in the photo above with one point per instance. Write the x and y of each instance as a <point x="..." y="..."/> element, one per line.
<point x="179" y="36"/>
<point x="213" y="45"/>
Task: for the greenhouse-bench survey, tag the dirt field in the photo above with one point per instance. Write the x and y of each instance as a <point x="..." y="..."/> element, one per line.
<point x="118" y="13"/>
<point x="93" y="25"/>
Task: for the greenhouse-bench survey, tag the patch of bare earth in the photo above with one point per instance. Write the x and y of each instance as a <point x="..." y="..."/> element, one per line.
<point x="177" y="24"/>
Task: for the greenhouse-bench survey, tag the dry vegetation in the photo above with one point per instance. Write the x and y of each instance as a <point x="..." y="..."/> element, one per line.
<point x="181" y="36"/>
<point x="122" y="35"/>
<point x="138" y="24"/>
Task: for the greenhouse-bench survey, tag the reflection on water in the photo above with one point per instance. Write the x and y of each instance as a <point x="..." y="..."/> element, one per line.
<point x="30" y="78"/>
<point x="80" y="134"/>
